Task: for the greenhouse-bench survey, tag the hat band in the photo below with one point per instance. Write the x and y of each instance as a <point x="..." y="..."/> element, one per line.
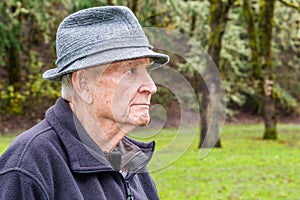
<point x="115" y="43"/>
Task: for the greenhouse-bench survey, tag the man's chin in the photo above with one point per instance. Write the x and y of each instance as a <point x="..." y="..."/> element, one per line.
<point x="142" y="121"/>
<point x="134" y="121"/>
<point x="143" y="124"/>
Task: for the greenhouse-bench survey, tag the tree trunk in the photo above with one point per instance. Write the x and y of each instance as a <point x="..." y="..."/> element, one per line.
<point x="14" y="105"/>
<point x="260" y="40"/>
<point x="265" y="26"/>
<point x="193" y="23"/>
<point x="110" y="2"/>
<point x="14" y="68"/>
<point x="270" y="118"/>
<point x="132" y="4"/>
<point x="209" y="134"/>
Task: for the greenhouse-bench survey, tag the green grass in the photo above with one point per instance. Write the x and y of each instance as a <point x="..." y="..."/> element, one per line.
<point x="247" y="167"/>
<point x="4" y="142"/>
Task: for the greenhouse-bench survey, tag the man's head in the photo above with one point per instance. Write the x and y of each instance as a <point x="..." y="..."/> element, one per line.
<point x="98" y="36"/>
<point x="103" y="62"/>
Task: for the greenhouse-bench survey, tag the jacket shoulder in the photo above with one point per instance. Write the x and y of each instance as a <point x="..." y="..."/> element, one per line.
<point x="30" y="146"/>
<point x="34" y="158"/>
<point x="18" y="184"/>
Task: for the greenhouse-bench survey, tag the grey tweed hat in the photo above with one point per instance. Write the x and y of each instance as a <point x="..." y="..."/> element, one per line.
<point x="97" y="36"/>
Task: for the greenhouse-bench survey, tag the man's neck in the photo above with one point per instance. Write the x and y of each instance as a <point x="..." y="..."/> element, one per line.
<point x="105" y="132"/>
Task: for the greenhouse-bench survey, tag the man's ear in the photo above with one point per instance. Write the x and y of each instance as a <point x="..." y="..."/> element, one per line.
<point x="81" y="86"/>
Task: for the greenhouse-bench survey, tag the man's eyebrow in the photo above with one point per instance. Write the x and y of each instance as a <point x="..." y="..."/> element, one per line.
<point x="135" y="65"/>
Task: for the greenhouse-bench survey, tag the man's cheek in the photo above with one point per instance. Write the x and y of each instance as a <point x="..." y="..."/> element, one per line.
<point x="120" y="104"/>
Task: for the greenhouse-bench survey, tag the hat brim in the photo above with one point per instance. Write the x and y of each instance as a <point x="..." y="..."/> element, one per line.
<point x="107" y="57"/>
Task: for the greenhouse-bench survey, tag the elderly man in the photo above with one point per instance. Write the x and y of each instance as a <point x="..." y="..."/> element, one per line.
<point x="80" y="150"/>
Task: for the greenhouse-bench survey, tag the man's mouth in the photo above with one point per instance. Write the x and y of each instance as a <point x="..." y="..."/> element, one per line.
<point x="146" y="105"/>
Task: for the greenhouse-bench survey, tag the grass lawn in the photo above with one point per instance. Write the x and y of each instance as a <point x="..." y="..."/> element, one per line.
<point x="247" y="167"/>
<point x="4" y="142"/>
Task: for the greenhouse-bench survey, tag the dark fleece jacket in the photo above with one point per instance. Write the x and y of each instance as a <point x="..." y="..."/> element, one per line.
<point x="49" y="161"/>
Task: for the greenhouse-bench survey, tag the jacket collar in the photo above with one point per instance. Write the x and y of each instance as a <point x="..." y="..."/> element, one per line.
<point x="85" y="158"/>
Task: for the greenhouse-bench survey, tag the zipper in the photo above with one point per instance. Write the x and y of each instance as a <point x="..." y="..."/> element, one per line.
<point x="128" y="190"/>
<point x="124" y="180"/>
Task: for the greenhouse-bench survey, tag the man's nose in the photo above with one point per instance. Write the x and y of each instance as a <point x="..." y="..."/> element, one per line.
<point x="148" y="85"/>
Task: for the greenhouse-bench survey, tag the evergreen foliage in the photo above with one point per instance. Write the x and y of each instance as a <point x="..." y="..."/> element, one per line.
<point x="27" y="49"/>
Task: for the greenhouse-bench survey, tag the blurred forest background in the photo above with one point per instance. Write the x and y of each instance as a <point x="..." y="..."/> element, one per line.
<point x="255" y="44"/>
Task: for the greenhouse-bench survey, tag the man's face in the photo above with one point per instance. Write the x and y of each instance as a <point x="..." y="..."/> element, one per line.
<point x="123" y="92"/>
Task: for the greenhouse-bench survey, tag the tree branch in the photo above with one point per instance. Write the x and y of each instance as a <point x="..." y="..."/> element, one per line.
<point x="290" y="4"/>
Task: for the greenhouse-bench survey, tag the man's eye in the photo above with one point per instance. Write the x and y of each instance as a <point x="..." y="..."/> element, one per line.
<point x="132" y="71"/>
